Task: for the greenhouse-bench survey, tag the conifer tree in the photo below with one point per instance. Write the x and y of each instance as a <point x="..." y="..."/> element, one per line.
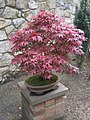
<point x="82" y="21"/>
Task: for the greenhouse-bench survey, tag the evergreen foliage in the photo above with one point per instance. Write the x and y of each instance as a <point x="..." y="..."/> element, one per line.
<point x="82" y="21"/>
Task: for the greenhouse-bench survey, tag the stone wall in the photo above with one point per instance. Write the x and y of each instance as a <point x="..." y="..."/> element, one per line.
<point x="14" y="14"/>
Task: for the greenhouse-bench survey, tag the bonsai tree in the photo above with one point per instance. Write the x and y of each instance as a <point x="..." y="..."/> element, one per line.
<point x="82" y="21"/>
<point x="46" y="45"/>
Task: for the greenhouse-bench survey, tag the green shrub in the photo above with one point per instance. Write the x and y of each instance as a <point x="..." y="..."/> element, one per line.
<point x="82" y="21"/>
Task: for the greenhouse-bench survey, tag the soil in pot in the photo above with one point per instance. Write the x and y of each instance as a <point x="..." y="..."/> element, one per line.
<point x="38" y="84"/>
<point x="39" y="81"/>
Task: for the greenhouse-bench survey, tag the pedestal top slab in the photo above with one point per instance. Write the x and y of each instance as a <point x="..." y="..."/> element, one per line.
<point x="60" y="91"/>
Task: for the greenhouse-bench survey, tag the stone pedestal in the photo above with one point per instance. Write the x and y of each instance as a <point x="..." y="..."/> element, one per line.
<point x="49" y="106"/>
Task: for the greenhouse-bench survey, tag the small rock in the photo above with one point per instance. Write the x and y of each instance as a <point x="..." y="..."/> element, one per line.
<point x="26" y="14"/>
<point x="51" y="4"/>
<point x="20" y="115"/>
<point x="19" y="21"/>
<point x="29" y="16"/>
<point x="26" y="10"/>
<point x="67" y="13"/>
<point x="1" y="11"/>
<point x="2" y="3"/>
<point x="19" y="14"/>
<point x="5" y="46"/>
<point x="43" y="6"/>
<point x="21" y="4"/>
<point x="68" y="108"/>
<point x="6" y="58"/>
<point x="59" y="3"/>
<point x="88" y="108"/>
<point x="66" y="6"/>
<point x="33" y="5"/>
<point x="8" y="113"/>
<point x="10" y="13"/>
<point x="9" y="29"/>
<point x="10" y="2"/>
<point x="12" y="67"/>
<point x="19" y="108"/>
<point x="76" y="108"/>
<point x="3" y="36"/>
<point x="4" y="22"/>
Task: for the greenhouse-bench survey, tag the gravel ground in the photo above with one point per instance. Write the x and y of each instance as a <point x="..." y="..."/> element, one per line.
<point x="77" y="103"/>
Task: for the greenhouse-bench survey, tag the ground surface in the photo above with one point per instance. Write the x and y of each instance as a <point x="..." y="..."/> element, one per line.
<point x="77" y="103"/>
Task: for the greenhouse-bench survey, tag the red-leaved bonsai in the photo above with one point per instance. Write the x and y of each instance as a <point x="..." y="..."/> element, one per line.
<point x="46" y="44"/>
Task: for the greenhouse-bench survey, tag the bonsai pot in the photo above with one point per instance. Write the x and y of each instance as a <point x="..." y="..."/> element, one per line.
<point x="39" y="85"/>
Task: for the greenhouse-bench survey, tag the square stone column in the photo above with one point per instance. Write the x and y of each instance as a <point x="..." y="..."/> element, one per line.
<point x="49" y="106"/>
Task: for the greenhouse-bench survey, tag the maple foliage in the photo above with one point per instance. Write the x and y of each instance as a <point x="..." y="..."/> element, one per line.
<point x="46" y="44"/>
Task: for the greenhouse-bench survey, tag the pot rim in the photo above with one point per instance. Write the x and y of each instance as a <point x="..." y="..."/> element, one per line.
<point x="44" y="86"/>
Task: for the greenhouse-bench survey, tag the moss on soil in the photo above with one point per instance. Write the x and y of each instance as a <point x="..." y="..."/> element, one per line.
<point x="39" y="81"/>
